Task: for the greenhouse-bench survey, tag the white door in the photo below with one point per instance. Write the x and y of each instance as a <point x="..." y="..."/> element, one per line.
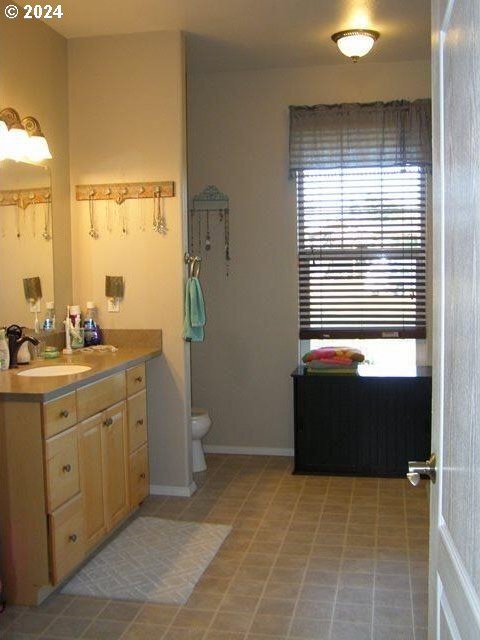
<point x="454" y="609"/>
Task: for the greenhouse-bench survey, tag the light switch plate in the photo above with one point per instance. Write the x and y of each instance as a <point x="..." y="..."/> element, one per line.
<point x="113" y="305"/>
<point x="35" y="306"/>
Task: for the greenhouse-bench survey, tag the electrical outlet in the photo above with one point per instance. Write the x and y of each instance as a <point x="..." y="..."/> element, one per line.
<point x="113" y="305"/>
<point x="35" y="306"/>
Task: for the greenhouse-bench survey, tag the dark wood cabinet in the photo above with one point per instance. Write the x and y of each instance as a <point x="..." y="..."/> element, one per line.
<point x="366" y="425"/>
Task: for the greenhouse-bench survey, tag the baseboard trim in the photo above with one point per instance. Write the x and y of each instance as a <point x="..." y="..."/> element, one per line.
<point x="248" y="451"/>
<point x="165" y="490"/>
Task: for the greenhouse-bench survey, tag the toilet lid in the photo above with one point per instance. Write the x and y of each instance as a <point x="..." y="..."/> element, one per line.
<point x="197" y="411"/>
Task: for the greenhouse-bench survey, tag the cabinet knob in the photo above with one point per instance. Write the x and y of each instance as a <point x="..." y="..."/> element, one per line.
<point x="108" y="422"/>
<point x="67" y="468"/>
<point x="73" y="537"/>
<point x="139" y="379"/>
<point x="140" y="422"/>
<point x="64" y="413"/>
<point x="142" y="476"/>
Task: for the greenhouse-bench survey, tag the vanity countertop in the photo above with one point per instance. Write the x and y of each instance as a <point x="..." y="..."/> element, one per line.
<point x="41" y="389"/>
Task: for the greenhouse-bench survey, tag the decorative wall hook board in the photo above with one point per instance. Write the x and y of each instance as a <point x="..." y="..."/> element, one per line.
<point x="119" y="192"/>
<point x="206" y="203"/>
<point x="25" y="197"/>
<point x="28" y="199"/>
<point x="210" y="199"/>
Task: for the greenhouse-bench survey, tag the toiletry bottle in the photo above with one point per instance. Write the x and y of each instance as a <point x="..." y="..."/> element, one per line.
<point x="75" y="315"/>
<point x="23" y="356"/>
<point x="4" y="352"/>
<point x="68" y="338"/>
<point x="76" y="329"/>
<point x="92" y="331"/>
<point x="49" y="322"/>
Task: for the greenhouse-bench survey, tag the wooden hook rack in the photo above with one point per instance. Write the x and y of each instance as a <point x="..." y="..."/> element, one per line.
<point x="119" y="192"/>
<point x="23" y="198"/>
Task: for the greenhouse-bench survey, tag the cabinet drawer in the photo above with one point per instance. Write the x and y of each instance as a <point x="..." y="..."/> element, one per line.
<point x="97" y="396"/>
<point x="137" y="420"/>
<point x="139" y="481"/>
<point x="59" y="414"/>
<point x="67" y="539"/>
<point x="135" y="379"/>
<point x="63" y="480"/>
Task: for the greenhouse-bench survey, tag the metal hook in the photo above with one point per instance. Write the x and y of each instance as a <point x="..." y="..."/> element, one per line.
<point x="194" y="265"/>
<point x="195" y="268"/>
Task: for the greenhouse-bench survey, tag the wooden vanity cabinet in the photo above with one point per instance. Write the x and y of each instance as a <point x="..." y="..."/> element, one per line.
<point x="73" y="468"/>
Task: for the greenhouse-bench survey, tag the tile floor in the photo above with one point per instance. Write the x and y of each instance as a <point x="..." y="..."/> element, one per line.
<point x="309" y="557"/>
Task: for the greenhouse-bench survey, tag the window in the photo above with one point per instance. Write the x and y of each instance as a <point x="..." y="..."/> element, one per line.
<point x="361" y="252"/>
<point x="361" y="173"/>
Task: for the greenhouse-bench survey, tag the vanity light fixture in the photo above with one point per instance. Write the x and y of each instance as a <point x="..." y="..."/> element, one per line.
<point x="3" y="140"/>
<point x="37" y="144"/>
<point x="21" y="140"/>
<point x="355" y="43"/>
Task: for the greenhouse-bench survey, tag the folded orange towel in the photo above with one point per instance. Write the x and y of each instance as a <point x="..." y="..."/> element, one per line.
<point x="330" y="353"/>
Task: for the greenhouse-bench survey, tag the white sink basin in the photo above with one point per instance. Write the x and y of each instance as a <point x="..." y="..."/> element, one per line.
<point x="54" y="370"/>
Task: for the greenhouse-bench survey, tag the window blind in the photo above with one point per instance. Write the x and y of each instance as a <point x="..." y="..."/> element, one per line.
<point x="361" y="252"/>
<point x="361" y="172"/>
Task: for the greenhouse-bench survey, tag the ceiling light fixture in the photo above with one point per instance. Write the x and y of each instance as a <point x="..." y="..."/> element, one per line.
<point x="355" y="43"/>
<point x="21" y="140"/>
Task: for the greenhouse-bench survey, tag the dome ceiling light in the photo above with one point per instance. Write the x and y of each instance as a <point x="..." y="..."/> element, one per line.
<point x="355" y="43"/>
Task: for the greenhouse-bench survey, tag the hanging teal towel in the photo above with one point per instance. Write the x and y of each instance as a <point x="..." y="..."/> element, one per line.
<point x="194" y="311"/>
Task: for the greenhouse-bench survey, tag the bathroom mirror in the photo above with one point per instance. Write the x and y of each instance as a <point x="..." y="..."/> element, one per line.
<point x="25" y="238"/>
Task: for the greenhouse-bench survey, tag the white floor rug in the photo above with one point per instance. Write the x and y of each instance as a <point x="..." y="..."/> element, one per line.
<point x="152" y="560"/>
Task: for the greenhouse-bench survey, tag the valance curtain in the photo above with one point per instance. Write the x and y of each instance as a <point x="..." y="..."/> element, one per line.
<point x="376" y="134"/>
<point x="361" y="174"/>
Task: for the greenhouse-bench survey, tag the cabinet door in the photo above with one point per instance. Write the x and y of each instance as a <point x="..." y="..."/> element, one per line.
<point x="114" y="456"/>
<point x="91" y="477"/>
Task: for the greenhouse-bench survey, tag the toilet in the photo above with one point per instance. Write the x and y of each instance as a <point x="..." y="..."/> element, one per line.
<point x="200" y="422"/>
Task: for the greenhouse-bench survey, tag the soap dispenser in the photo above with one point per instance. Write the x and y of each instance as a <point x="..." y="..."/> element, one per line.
<point x="23" y="356"/>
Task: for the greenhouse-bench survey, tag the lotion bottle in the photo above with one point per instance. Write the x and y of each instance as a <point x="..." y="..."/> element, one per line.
<point x="4" y="352"/>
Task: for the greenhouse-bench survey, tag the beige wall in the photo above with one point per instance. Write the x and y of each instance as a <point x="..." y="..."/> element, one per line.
<point x="238" y="140"/>
<point x="127" y="123"/>
<point x="33" y="80"/>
